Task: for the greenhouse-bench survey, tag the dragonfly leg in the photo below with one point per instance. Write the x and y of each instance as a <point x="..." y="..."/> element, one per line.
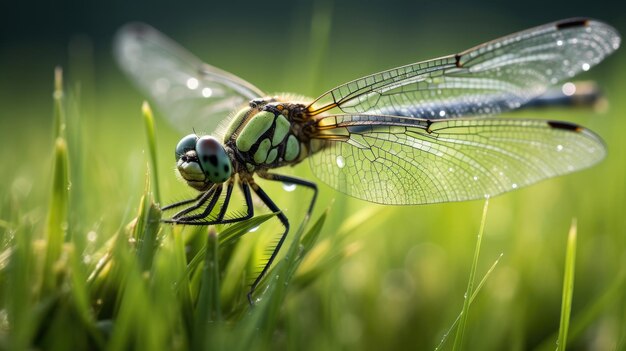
<point x="283" y="219"/>
<point x="245" y="188"/>
<point x="207" y="210"/>
<point x="201" y="201"/>
<point x="297" y="181"/>
<point x="182" y="203"/>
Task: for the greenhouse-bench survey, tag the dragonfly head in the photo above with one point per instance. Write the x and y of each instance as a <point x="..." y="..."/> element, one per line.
<point x="202" y="161"/>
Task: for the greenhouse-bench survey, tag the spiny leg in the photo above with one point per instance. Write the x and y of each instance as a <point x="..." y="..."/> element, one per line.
<point x="245" y="188"/>
<point x="207" y="211"/>
<point x="202" y="200"/>
<point x="250" y="210"/>
<point x="182" y="203"/>
<point x="283" y="219"/>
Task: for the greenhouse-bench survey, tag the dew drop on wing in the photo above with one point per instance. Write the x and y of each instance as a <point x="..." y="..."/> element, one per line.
<point x="341" y="162"/>
<point x="568" y="89"/>
<point x="192" y="83"/>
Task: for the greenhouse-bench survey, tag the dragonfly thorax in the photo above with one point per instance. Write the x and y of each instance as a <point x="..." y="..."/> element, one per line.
<point x="267" y="134"/>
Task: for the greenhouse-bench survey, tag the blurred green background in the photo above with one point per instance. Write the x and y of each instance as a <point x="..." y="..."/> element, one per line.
<point x="403" y="270"/>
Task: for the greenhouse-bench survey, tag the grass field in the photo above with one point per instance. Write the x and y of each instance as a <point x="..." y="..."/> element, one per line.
<point x="85" y="263"/>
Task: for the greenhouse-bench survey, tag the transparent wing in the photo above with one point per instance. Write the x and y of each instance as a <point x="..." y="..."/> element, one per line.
<point x="399" y="160"/>
<point x="189" y="92"/>
<point x="493" y="77"/>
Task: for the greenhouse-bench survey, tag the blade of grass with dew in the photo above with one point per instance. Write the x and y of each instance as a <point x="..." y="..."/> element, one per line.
<point x="148" y="118"/>
<point x="474" y="294"/>
<point x="259" y="324"/>
<point x="208" y="311"/>
<point x="330" y="251"/>
<point x="182" y="285"/>
<point x="19" y="303"/>
<point x="80" y="298"/>
<point x="59" y="111"/>
<point x="568" y="287"/>
<point x="458" y="339"/>
<point x="147" y="227"/>
<point x="278" y="279"/>
<point x="130" y="303"/>
<point x="227" y="237"/>
<point x="59" y="201"/>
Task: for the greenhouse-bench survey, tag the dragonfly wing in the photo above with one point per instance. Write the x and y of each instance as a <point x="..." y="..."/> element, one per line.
<point x="396" y="160"/>
<point x="189" y="92"/>
<point x="496" y="76"/>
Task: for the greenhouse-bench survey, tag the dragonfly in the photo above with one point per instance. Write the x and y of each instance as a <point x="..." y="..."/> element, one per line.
<point x="417" y="134"/>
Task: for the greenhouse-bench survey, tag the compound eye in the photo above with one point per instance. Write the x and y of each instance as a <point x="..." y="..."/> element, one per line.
<point x="185" y="144"/>
<point x="213" y="159"/>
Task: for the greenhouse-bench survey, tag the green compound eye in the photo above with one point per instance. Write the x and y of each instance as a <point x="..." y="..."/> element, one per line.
<point x="185" y="144"/>
<point x="213" y="159"/>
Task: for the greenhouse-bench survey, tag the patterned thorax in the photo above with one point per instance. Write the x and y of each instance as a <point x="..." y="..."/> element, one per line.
<point x="263" y="136"/>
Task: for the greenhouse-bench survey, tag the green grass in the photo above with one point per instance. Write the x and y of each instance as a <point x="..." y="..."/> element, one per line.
<point x="86" y="264"/>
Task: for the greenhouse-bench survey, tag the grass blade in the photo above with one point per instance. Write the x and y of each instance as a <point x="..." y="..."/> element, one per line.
<point x="474" y="294"/>
<point x="568" y="287"/>
<point x="458" y="340"/>
<point x="148" y="118"/>
<point x="147" y="227"/>
<point x="59" y="201"/>
<point x="59" y="112"/>
<point x="208" y="311"/>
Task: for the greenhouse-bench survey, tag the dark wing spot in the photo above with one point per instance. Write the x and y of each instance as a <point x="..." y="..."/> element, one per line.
<point x="565" y="126"/>
<point x="572" y="22"/>
<point x="457" y="58"/>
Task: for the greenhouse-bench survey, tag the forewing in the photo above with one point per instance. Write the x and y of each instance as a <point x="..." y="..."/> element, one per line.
<point x="190" y="93"/>
<point x="490" y="78"/>
<point x="395" y="160"/>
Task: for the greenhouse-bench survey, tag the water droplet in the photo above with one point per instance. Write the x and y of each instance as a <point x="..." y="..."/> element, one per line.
<point x="254" y="229"/>
<point x="92" y="236"/>
<point x="192" y="83"/>
<point x="586" y="66"/>
<point x="514" y="186"/>
<point x="442" y="113"/>
<point x="475" y="178"/>
<point x="207" y="92"/>
<point x="559" y="43"/>
<point x="341" y="162"/>
<point x="289" y="187"/>
<point x="568" y="89"/>
<point x="450" y="169"/>
<point x="559" y="147"/>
